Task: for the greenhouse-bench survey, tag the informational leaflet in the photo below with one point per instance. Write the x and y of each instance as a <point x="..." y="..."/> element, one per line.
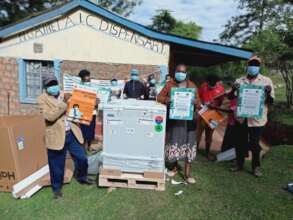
<point x="250" y="101"/>
<point x="211" y="117"/>
<point x="182" y="106"/>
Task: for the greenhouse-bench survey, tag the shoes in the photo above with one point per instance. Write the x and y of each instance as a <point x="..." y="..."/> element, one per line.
<point x="171" y="173"/>
<point x="58" y="195"/>
<point x="257" y="172"/>
<point x="87" y="181"/>
<point x="190" y="180"/>
<point x="236" y="169"/>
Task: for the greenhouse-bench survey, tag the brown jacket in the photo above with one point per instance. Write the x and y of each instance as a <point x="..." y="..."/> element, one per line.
<point x="165" y="95"/>
<point x="54" y="114"/>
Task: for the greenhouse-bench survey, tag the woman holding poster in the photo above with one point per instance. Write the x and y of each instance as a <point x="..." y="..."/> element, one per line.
<point x="180" y="96"/>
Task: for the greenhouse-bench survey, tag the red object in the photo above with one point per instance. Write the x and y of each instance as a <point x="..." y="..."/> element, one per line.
<point x="208" y="95"/>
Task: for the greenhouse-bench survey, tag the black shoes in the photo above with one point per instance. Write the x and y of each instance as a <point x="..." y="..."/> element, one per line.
<point x="87" y="181"/>
<point x="58" y="195"/>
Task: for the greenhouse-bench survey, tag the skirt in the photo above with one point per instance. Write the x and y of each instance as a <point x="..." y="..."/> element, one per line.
<point x="88" y="131"/>
<point x="181" y="141"/>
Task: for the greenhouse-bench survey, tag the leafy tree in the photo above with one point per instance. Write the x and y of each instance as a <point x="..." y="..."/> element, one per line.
<point x="12" y="11"/>
<point x="189" y="29"/>
<point x="165" y="22"/>
<point x="255" y="17"/>
<point x="122" y="7"/>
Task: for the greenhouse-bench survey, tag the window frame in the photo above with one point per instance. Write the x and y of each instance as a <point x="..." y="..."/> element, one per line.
<point x="23" y="98"/>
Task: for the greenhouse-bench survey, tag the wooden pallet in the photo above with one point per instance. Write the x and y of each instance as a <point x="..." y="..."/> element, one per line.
<point x="146" y="180"/>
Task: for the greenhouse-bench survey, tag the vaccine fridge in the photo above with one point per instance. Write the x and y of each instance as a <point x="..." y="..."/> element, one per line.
<point x="134" y="135"/>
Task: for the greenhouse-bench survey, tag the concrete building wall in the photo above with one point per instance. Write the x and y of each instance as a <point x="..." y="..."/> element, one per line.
<point x="82" y="36"/>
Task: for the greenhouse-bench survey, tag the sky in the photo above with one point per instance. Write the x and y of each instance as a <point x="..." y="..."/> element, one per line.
<point x="212" y="15"/>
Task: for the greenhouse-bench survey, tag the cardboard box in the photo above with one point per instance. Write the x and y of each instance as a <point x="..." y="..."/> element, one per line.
<point x="81" y="106"/>
<point x="23" y="150"/>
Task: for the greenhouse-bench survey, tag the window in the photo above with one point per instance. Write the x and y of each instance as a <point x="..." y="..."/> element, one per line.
<point x="31" y="73"/>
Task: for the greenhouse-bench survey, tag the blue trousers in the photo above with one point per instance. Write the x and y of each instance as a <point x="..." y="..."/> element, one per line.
<point x="57" y="160"/>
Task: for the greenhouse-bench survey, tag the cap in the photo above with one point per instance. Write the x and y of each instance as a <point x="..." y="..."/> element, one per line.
<point x="134" y="72"/>
<point x="255" y="58"/>
<point x="48" y="79"/>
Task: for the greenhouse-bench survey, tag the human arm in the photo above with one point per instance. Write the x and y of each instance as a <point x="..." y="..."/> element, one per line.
<point x="53" y="112"/>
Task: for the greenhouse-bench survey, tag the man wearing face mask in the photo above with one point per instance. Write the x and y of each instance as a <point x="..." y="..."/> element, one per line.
<point x="181" y="137"/>
<point x="61" y="135"/>
<point x="255" y="126"/>
<point x="211" y="94"/>
<point x="151" y="88"/>
<point x="135" y="89"/>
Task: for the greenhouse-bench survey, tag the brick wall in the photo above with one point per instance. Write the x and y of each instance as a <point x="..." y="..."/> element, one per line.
<point x="9" y="89"/>
<point x="107" y="70"/>
<point x="9" y="84"/>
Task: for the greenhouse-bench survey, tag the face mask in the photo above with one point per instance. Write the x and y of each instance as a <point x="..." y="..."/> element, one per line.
<point x="253" y="70"/>
<point x="53" y="90"/>
<point x="114" y="83"/>
<point x="135" y="77"/>
<point x="153" y="81"/>
<point x="86" y="83"/>
<point x="180" y="76"/>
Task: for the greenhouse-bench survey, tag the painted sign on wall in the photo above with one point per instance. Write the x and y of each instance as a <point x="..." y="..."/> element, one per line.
<point x="97" y="23"/>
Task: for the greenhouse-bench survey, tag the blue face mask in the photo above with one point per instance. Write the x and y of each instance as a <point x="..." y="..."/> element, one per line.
<point x="135" y="77"/>
<point x="114" y="83"/>
<point x="253" y="70"/>
<point x="53" y="90"/>
<point x="153" y="81"/>
<point x="180" y="76"/>
<point x="86" y="83"/>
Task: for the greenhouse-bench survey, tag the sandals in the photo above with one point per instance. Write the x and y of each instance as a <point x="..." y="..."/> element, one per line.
<point x="190" y="180"/>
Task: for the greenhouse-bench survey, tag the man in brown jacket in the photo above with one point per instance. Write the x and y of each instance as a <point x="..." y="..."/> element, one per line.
<point x="61" y="135"/>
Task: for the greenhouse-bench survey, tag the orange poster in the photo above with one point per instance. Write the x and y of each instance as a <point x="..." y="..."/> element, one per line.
<point x="81" y="106"/>
<point x="211" y="117"/>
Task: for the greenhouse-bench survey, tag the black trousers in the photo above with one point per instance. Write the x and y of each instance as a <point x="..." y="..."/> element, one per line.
<point x="254" y="134"/>
<point x="239" y="140"/>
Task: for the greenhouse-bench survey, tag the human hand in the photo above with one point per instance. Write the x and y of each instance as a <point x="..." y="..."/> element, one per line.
<point x="235" y="86"/>
<point x="268" y="89"/>
<point x="66" y="98"/>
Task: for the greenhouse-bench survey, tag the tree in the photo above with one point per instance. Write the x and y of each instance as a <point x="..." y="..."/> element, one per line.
<point x="121" y="7"/>
<point x="189" y="29"/>
<point x="12" y="11"/>
<point x="165" y="22"/>
<point x="255" y="17"/>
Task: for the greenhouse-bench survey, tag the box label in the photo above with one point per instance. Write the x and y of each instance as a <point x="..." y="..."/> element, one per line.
<point x="20" y="143"/>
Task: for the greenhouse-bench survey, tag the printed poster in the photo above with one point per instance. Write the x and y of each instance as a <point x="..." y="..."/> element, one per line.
<point x="250" y="101"/>
<point x="182" y="106"/>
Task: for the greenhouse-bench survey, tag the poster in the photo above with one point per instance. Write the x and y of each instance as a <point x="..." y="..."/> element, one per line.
<point x="182" y="106"/>
<point x="81" y="106"/>
<point x="211" y="117"/>
<point x="250" y="101"/>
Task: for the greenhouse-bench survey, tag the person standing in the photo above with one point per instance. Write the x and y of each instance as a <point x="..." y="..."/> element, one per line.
<point x="61" y="136"/>
<point x="134" y="89"/>
<point x="88" y="131"/>
<point x="115" y="89"/>
<point x="255" y="126"/>
<point x="151" y="88"/>
<point x="181" y="138"/>
<point x="211" y="94"/>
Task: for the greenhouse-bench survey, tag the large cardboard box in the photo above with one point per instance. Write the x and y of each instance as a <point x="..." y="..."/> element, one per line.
<point x="22" y="148"/>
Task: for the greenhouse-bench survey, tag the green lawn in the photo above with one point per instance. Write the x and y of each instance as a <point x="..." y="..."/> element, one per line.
<point x="218" y="194"/>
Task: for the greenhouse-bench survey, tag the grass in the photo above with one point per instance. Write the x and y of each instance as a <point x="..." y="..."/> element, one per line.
<point x="218" y="194"/>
